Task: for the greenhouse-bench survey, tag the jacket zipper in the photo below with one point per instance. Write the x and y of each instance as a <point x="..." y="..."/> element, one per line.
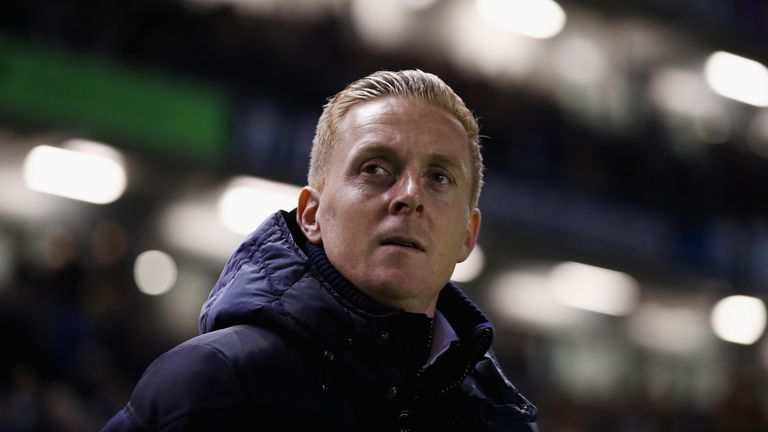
<point x="479" y="346"/>
<point x="428" y="349"/>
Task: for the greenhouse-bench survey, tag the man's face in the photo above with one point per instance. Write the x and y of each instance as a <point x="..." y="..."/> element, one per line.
<point x="394" y="216"/>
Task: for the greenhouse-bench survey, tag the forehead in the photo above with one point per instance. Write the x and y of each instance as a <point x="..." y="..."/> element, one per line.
<point x="406" y="124"/>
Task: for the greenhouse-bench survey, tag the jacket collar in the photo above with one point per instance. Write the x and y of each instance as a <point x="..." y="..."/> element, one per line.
<point x="460" y="319"/>
<point x="265" y="282"/>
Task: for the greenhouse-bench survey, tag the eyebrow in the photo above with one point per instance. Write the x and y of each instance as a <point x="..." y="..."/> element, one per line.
<point x="372" y="148"/>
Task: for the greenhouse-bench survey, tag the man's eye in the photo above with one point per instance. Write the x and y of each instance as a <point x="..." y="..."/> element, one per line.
<point x="373" y="169"/>
<point x="440" y="178"/>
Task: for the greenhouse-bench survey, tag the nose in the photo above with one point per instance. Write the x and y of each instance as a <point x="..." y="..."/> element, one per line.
<point x="407" y="195"/>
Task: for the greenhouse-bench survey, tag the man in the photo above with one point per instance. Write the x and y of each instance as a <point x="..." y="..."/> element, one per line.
<point x="339" y="315"/>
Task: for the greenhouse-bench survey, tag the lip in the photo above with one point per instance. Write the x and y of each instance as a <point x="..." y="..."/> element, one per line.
<point x="404" y="242"/>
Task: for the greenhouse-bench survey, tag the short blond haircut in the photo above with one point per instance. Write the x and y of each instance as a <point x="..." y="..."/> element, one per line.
<point x="411" y="84"/>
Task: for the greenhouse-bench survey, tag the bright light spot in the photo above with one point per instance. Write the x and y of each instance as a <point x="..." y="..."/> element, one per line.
<point x="195" y="228"/>
<point x="247" y="201"/>
<point x="593" y="288"/>
<point x="155" y="272"/>
<point x="739" y="319"/>
<point x="672" y="329"/>
<point x="90" y="177"/>
<point x="737" y="78"/>
<point x="522" y="296"/>
<point x="486" y="49"/>
<point x="383" y="24"/>
<point x="93" y="148"/>
<point x="471" y="267"/>
<point x="685" y="94"/>
<point x="679" y="91"/>
<point x="579" y="60"/>
<point x="18" y="203"/>
<point x="538" y="19"/>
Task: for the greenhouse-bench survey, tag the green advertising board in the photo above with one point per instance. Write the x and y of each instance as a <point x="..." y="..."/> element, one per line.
<point x="156" y="112"/>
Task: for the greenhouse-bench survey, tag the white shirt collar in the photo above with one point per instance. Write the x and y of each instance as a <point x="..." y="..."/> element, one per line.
<point x="443" y="336"/>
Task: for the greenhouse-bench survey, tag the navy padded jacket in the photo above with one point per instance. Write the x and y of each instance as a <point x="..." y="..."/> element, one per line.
<point x="288" y="344"/>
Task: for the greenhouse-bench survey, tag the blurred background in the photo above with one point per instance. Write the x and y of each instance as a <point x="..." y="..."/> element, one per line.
<point x="624" y="249"/>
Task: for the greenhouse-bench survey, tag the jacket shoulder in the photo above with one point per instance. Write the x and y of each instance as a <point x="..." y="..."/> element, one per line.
<point x="206" y="382"/>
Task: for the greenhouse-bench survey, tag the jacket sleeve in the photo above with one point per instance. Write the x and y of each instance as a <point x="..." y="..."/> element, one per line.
<point x="191" y="387"/>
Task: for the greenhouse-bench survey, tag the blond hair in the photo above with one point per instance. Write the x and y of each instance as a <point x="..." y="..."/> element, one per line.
<point x="412" y="84"/>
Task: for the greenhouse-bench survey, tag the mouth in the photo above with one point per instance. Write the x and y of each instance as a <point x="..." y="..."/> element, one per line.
<point x="403" y="242"/>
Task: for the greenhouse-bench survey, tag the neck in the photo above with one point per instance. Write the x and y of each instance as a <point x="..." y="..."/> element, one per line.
<point x="412" y="305"/>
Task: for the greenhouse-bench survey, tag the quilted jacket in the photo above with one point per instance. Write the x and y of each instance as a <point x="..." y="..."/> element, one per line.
<point x="288" y="344"/>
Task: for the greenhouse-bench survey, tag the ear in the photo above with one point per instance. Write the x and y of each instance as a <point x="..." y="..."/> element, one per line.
<point x="306" y="214"/>
<point x="470" y="237"/>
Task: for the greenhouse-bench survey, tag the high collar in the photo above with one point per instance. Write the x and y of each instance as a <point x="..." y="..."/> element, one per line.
<point x="409" y="333"/>
<point x="442" y="335"/>
<point x="462" y="314"/>
<point x="272" y="280"/>
<point x="349" y="292"/>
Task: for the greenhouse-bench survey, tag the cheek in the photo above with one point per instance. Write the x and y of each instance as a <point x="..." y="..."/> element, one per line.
<point x="339" y="219"/>
<point x="458" y="234"/>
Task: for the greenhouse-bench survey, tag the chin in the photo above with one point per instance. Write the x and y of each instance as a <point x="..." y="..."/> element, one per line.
<point x="403" y="288"/>
<point x="395" y="281"/>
